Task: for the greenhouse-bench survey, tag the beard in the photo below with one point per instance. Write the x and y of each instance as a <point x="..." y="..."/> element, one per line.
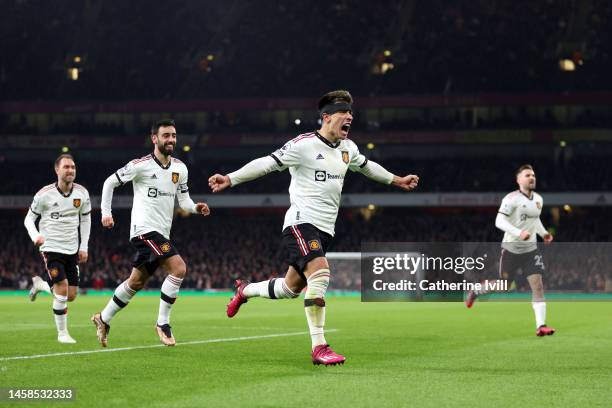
<point x="166" y="149"/>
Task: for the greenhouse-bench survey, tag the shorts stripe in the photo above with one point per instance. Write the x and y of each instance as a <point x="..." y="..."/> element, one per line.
<point x="44" y="257"/>
<point x="300" y="240"/>
<point x="151" y="245"/>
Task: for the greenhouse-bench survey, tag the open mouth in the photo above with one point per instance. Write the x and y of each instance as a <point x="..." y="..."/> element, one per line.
<point x="346" y="127"/>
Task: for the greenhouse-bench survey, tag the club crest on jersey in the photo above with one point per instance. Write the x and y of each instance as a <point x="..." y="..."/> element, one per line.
<point x="76" y="202"/>
<point x="175" y="178"/>
<point x="539" y="205"/>
<point x="314" y="245"/>
<point x="165" y="247"/>
<point x="53" y="272"/>
<point x="345" y="156"/>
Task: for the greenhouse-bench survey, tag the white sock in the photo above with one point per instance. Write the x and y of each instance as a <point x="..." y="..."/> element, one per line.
<point x="270" y="289"/>
<point x="314" y="305"/>
<point x="169" y="292"/>
<point x="123" y="295"/>
<point x="60" y="311"/>
<point x="539" y="308"/>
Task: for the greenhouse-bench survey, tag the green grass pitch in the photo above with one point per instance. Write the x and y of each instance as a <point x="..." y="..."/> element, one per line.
<point x="398" y="354"/>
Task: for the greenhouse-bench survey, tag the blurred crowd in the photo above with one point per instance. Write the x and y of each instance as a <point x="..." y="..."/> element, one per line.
<point x="560" y="172"/>
<point x="288" y="48"/>
<point x="247" y="244"/>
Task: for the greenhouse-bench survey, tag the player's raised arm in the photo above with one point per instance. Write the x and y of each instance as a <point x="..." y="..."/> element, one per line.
<point x="250" y="171"/>
<point x="185" y="201"/>
<point x="286" y="156"/>
<point x="30" y="222"/>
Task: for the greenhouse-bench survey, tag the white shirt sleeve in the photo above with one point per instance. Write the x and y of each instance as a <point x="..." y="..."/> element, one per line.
<point x="288" y="156"/>
<point x="372" y="170"/>
<point x="184" y="200"/>
<point x="255" y="169"/>
<point x="540" y="229"/>
<point x="85" y="225"/>
<point x="507" y="206"/>
<point x="376" y="172"/>
<point x="503" y="223"/>
<point x="34" y="212"/>
<point x="110" y="184"/>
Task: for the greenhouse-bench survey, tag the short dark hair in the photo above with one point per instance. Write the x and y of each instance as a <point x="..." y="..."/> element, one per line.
<point x="161" y="123"/>
<point x="62" y="156"/>
<point x="332" y="97"/>
<point x="524" y="167"/>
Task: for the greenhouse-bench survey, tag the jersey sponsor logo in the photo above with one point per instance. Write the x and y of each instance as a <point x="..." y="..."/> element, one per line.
<point x="76" y="202"/>
<point x="320" y="157"/>
<point x="539" y="205"/>
<point x="53" y="272"/>
<point x="175" y="178"/>
<point x="322" y="175"/>
<point x="345" y="156"/>
<point x="153" y="192"/>
<point x="314" y="245"/>
<point x="165" y="247"/>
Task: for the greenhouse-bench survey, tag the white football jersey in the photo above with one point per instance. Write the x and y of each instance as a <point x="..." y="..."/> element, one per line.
<point x="317" y="170"/>
<point x="523" y="213"/>
<point x="60" y="217"/>
<point x="155" y="190"/>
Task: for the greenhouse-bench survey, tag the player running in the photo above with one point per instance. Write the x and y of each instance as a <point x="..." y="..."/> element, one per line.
<point x="64" y="209"/>
<point x="519" y="218"/>
<point x="157" y="179"/>
<point x="318" y="162"/>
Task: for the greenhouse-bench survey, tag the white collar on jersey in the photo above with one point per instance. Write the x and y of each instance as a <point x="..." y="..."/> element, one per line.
<point x="160" y="163"/>
<point x="327" y="142"/>
<point x="62" y="193"/>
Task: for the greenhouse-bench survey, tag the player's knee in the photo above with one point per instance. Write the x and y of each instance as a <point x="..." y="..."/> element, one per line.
<point x="317" y="284"/>
<point x="286" y="290"/>
<point x="179" y="269"/>
<point x="71" y="296"/>
<point x="61" y="288"/>
<point x="136" y="284"/>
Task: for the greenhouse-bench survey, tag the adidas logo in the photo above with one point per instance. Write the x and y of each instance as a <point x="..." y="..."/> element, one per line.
<point x="55" y="204"/>
<point x="320" y="157"/>
<point x="154" y="176"/>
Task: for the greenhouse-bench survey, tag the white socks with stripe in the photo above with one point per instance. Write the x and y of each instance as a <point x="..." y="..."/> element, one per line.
<point x="270" y="289"/>
<point x="169" y="292"/>
<point x="60" y="311"/>
<point x="314" y="305"/>
<point x="539" y="308"/>
<point x="123" y="295"/>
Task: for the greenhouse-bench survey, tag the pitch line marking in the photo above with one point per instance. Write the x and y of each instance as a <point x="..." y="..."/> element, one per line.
<point x="187" y="343"/>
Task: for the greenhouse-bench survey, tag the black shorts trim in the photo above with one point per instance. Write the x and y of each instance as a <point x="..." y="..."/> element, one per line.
<point x="150" y="249"/>
<point x="61" y="266"/>
<point x="305" y="242"/>
<point x="513" y="265"/>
